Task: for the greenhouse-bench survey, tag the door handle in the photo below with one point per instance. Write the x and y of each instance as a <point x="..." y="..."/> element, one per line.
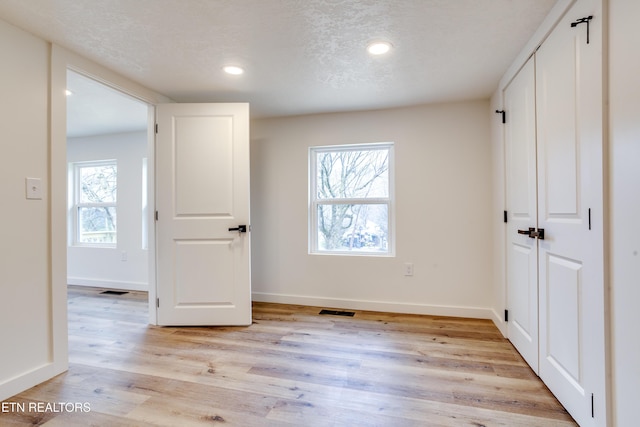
<point x="527" y="232"/>
<point x="539" y="234"/>
<point x="239" y="229"/>
<point x="533" y="233"/>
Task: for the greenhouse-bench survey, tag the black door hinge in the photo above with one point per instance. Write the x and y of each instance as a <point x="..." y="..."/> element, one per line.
<point x="504" y="115"/>
<point x="582" y="21"/>
<point x="506" y="315"/>
<point x="156" y="128"/>
<point x="158" y="302"/>
<point x="589" y="218"/>
<point x="156" y="215"/>
<point x="593" y="411"/>
<point x="506" y="217"/>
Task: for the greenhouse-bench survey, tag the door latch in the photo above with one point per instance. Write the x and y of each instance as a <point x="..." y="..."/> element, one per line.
<point x="239" y="229"/>
<point x="533" y="233"/>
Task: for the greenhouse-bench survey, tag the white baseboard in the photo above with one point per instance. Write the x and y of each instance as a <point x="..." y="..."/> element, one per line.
<point x="109" y="284"/>
<point x="30" y="379"/>
<point x="498" y="320"/>
<point x="388" y="307"/>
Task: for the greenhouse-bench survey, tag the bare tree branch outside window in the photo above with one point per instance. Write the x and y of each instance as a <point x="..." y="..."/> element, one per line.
<point x="96" y="202"/>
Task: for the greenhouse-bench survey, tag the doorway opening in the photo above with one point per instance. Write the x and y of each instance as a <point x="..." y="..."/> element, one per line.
<point x="108" y="159"/>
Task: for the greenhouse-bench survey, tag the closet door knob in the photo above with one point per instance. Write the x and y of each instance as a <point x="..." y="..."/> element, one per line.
<point x="533" y="233"/>
<point x="527" y="232"/>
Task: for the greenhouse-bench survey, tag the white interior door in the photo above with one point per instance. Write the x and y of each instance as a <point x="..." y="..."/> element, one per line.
<point x="522" y="251"/>
<point x="202" y="191"/>
<point x="570" y="176"/>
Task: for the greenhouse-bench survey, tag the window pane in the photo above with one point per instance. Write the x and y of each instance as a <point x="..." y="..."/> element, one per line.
<point x="98" y="184"/>
<point x="361" y="228"/>
<point x="352" y="174"/>
<point x="97" y="225"/>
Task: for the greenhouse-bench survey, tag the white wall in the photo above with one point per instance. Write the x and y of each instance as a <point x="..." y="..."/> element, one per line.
<point x="105" y="267"/>
<point x="33" y="316"/>
<point x="443" y="202"/>
<point x="625" y="207"/>
<point x="25" y="302"/>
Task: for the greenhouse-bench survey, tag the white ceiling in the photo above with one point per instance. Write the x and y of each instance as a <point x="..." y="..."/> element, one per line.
<point x="300" y="56"/>
<point x="95" y="109"/>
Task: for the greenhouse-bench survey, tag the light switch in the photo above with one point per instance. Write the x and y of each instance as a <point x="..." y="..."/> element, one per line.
<point x="34" y="188"/>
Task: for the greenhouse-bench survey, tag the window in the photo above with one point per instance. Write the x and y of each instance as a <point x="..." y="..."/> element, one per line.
<point x="95" y="198"/>
<point x="351" y="201"/>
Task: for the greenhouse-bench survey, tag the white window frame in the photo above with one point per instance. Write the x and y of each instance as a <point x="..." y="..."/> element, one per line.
<point x="314" y="202"/>
<point x="145" y="205"/>
<point x="77" y="204"/>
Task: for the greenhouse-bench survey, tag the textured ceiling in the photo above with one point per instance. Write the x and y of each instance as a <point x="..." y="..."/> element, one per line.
<point x="300" y="56"/>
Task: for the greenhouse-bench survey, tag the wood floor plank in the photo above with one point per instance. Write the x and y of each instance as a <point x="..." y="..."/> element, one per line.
<point x="292" y="366"/>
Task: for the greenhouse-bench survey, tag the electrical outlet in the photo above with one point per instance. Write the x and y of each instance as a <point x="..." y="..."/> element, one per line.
<point x="408" y="269"/>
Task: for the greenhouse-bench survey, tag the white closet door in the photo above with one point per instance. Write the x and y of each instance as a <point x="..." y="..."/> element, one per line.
<point x="522" y="251"/>
<point x="571" y="280"/>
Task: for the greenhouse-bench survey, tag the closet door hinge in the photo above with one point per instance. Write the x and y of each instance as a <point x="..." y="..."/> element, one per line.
<point x="158" y="302"/>
<point x="156" y="215"/>
<point x="506" y="315"/>
<point x="505" y="217"/>
<point x="504" y="115"/>
<point x="156" y="128"/>
<point x="593" y="411"/>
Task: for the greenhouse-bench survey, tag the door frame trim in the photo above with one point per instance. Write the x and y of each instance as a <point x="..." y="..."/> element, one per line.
<point x="61" y="61"/>
<point x="550" y="22"/>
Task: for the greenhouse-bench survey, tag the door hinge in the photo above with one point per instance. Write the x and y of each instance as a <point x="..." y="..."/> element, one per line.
<point x="506" y="218"/>
<point x="593" y="411"/>
<point x="156" y="215"/>
<point x="504" y="115"/>
<point x="506" y="315"/>
<point x="582" y="21"/>
<point x="158" y="302"/>
<point x="589" y="218"/>
<point x="156" y="128"/>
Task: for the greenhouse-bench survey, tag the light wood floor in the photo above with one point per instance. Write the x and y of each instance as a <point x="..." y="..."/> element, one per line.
<point x="291" y="367"/>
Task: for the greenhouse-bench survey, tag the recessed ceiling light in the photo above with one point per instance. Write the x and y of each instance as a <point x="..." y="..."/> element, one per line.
<point x="68" y="92"/>
<point x="233" y="69"/>
<point x="379" y="48"/>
